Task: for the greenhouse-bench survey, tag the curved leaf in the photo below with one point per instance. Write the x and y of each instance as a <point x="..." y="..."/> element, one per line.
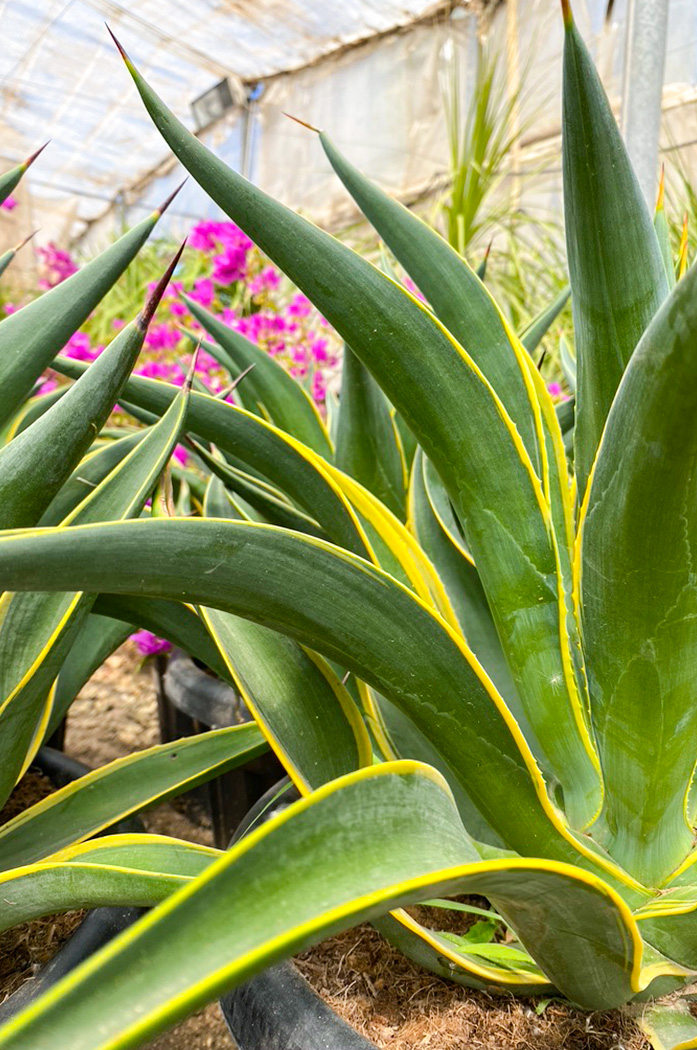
<point x="618" y="279"/>
<point x="265" y="448"/>
<point x="37" y="630"/>
<point x="639" y="596"/>
<point x="121" y="869"/>
<point x="127" y="785"/>
<point x="370" y="841"/>
<point x="298" y="702"/>
<point x="366" y="442"/>
<point x="34" y="466"/>
<point x="449" y="403"/>
<point x="276" y="394"/>
<point x="31" y="337"/>
<point x="338" y="604"/>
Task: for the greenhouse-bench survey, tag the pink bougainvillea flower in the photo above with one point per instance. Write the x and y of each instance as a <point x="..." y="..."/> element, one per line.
<point x="118" y="323"/>
<point x="230" y="266"/>
<point x="265" y="281"/>
<point x="9" y="204"/>
<point x="10" y="308"/>
<point x="79" y="347"/>
<point x="554" y="389"/>
<point x="47" y="387"/>
<point x="318" y="349"/>
<point x="177" y="309"/>
<point x="149" y="644"/>
<point x="203" y="291"/>
<point x="411" y="287"/>
<point x="162" y="337"/>
<point x="56" y="265"/>
<point x="181" y="455"/>
<point x="319" y="387"/>
<point x="299" y="306"/>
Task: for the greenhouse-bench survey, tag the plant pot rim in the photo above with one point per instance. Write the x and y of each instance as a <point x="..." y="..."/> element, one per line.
<point x="200" y="695"/>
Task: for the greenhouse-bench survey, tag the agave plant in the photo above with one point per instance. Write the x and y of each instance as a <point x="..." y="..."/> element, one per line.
<point x="50" y="643"/>
<point x="523" y="721"/>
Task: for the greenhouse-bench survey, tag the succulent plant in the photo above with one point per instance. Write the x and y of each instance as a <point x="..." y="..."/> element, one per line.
<point x="519" y="720"/>
<point x="50" y="642"/>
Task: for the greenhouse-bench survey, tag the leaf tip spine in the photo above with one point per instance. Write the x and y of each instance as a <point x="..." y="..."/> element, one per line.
<point x="122" y="51"/>
<point x="159" y="212"/>
<point x="26" y="239"/>
<point x="566" y="13"/>
<point x="303" y="123"/>
<point x="30" y="160"/>
<point x="189" y="380"/>
<point x="145" y="316"/>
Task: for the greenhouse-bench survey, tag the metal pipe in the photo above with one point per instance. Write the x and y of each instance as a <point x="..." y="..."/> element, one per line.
<point x="642" y="88"/>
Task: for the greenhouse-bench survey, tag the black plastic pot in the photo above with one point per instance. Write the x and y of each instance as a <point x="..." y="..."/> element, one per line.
<point x="99" y="926"/>
<point x="278" y="1009"/>
<point x="191" y="701"/>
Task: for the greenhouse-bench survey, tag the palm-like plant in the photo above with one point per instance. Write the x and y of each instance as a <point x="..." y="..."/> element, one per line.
<point x="523" y="648"/>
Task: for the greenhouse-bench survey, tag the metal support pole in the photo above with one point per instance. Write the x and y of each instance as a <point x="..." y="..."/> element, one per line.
<point x="642" y="87"/>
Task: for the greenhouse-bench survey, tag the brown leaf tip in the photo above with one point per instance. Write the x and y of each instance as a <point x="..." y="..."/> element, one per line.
<point x="146" y="315"/>
<point x="26" y="240"/>
<point x="188" y="382"/>
<point x="30" y="160"/>
<point x="165" y="204"/>
<point x="121" y="49"/>
<point x="302" y="123"/>
<point x="566" y="13"/>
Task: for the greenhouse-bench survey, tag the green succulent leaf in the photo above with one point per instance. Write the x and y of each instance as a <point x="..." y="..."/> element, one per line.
<point x="276" y="396"/>
<point x="37" y="630"/>
<point x="108" y="794"/>
<point x="34" y="466"/>
<point x="618" y="278"/>
<point x="367" y="443"/>
<point x="271" y="505"/>
<point x="9" y="180"/>
<point x="299" y="703"/>
<point x="453" y="290"/>
<point x="31" y="337"/>
<point x="358" y="847"/>
<point x="119" y="869"/>
<point x="177" y="623"/>
<point x="670" y="1026"/>
<point x="639" y="598"/>
<point x="448" y="401"/>
<point x="333" y="602"/>
<point x="98" y="638"/>
<point x="285" y="462"/>
<point x="533" y="334"/>
<point x="443" y="545"/>
<point x="88" y="474"/>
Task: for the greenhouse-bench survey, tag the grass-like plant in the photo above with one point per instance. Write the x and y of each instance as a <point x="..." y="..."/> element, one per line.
<point x="522" y="648"/>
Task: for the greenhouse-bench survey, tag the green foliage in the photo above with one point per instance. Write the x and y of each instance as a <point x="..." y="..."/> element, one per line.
<point x="480" y="682"/>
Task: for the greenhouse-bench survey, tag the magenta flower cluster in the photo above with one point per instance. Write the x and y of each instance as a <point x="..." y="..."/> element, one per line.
<point x="235" y="282"/>
<point x="55" y="265"/>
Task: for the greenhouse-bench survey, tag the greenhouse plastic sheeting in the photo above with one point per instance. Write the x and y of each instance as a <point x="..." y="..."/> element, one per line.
<point x="370" y="72"/>
<point x="61" y="76"/>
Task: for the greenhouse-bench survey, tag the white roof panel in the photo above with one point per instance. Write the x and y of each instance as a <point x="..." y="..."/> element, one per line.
<point x="61" y="78"/>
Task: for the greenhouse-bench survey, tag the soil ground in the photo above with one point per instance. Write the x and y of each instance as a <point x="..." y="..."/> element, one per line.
<point x="383" y="995"/>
